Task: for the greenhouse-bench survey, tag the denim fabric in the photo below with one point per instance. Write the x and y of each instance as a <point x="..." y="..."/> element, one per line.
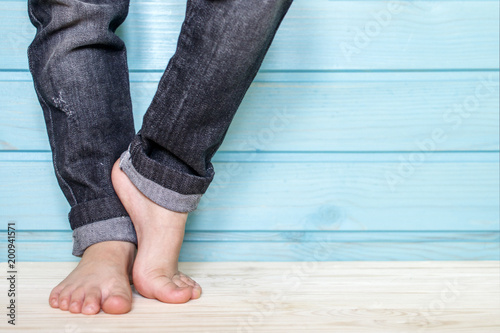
<point x="220" y="49"/>
<point x="80" y="74"/>
<point x="162" y="196"/>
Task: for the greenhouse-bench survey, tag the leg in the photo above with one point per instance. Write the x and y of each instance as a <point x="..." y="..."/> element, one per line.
<point x="81" y="79"/>
<point x="167" y="167"/>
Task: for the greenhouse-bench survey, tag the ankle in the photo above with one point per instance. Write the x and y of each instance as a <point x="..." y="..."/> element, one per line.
<point x="107" y="250"/>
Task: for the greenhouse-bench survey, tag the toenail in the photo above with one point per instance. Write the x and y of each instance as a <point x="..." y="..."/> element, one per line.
<point x="89" y="308"/>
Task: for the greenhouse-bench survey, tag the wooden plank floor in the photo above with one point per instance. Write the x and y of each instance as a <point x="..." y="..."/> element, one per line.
<point x="287" y="297"/>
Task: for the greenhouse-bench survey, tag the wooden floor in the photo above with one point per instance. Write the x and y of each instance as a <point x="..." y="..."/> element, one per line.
<point x="288" y="297"/>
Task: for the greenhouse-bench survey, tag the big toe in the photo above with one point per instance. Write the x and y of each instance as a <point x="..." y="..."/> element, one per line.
<point x="163" y="289"/>
<point x="117" y="304"/>
<point x="174" y="294"/>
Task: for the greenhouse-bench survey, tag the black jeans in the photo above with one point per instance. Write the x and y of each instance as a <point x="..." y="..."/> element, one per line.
<point x="80" y="74"/>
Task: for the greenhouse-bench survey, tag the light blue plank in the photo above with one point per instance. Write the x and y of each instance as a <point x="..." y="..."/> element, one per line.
<point x="316" y="34"/>
<point x="337" y="236"/>
<point x="42" y="246"/>
<point x="327" y="112"/>
<point x="393" y="157"/>
<point x="252" y="195"/>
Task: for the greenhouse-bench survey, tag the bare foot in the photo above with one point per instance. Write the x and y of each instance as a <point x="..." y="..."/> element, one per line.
<point x="100" y="281"/>
<point x="160" y="233"/>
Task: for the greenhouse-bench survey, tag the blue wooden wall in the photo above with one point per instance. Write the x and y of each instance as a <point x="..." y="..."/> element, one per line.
<point x="370" y="133"/>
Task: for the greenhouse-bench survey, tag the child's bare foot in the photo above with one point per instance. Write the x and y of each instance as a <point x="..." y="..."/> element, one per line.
<point x="160" y="233"/>
<point x="100" y="281"/>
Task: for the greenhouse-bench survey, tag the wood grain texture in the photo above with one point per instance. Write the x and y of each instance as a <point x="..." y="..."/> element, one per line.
<point x="335" y="112"/>
<point x="421" y="35"/>
<point x="248" y="194"/>
<point x="444" y="297"/>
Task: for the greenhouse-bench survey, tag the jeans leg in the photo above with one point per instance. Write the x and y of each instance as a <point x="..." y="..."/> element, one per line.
<point x="80" y="74"/>
<point x="220" y="49"/>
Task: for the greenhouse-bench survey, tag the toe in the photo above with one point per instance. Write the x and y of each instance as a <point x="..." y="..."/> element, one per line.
<point x="53" y="301"/>
<point x="64" y="299"/>
<point x="169" y="292"/>
<point x="186" y="279"/>
<point x="54" y="297"/>
<point x="183" y="280"/>
<point x="196" y="291"/>
<point x="75" y="305"/>
<point x="180" y="282"/>
<point x="118" y="303"/>
<point x="92" y="302"/>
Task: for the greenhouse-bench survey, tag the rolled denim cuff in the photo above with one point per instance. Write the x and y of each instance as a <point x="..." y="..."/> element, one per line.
<point x="166" y="198"/>
<point x="114" y="229"/>
<point x="96" y="210"/>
